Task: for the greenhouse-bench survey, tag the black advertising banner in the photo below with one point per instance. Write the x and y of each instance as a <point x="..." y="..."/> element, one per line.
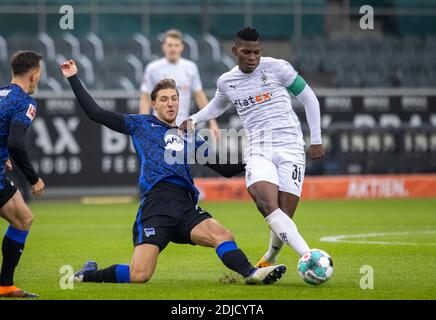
<point x="378" y="111"/>
<point x="67" y="149"/>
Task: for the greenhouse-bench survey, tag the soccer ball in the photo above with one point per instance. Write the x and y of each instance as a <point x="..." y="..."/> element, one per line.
<point x="315" y="266"/>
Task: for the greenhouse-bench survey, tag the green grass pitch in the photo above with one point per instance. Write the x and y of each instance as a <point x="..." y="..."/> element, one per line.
<point x="404" y="267"/>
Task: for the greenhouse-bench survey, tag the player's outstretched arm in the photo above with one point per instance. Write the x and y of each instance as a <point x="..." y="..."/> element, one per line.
<point x="112" y="120"/>
<point x="214" y="109"/>
<point x="202" y="101"/>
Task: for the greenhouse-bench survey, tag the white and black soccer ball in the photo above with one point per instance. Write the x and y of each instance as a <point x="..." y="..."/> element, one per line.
<point x="315" y="266"/>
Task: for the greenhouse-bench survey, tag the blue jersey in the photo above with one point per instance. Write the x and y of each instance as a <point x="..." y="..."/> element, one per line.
<point x="162" y="154"/>
<point x="16" y="106"/>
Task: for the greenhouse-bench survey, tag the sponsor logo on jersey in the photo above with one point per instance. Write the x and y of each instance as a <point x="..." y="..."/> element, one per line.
<point x="173" y="142"/>
<point x="251" y="101"/>
<point x="149" y="232"/>
<point x="264" y="77"/>
<point x="31" y="112"/>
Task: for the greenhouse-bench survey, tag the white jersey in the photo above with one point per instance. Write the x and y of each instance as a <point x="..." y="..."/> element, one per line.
<point x="263" y="102"/>
<point x="184" y="72"/>
<point x="275" y="149"/>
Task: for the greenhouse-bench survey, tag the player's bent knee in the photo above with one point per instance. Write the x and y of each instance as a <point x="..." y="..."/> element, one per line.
<point x="139" y="277"/>
<point x="227" y="235"/>
<point x="223" y="235"/>
<point x="266" y="202"/>
<point x="24" y="222"/>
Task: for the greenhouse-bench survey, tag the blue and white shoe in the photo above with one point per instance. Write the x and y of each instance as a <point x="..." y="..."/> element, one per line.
<point x="266" y="275"/>
<point x="88" y="266"/>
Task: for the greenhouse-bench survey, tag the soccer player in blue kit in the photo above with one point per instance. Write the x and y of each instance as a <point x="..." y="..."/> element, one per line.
<point x="168" y="210"/>
<point x="17" y="111"/>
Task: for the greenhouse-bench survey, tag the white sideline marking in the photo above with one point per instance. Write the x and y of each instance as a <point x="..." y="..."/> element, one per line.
<point x="346" y="238"/>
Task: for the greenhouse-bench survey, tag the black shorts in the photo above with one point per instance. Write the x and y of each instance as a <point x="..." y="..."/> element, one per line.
<point x="167" y="214"/>
<point x="7" y="192"/>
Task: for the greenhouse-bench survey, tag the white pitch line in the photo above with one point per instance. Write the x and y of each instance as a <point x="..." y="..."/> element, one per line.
<point x="346" y="238"/>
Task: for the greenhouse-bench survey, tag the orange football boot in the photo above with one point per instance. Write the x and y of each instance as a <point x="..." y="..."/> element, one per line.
<point x="14" y="292"/>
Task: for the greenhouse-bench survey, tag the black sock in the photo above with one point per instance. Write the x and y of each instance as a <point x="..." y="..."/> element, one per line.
<point x="117" y="273"/>
<point x="11" y="251"/>
<point x="234" y="258"/>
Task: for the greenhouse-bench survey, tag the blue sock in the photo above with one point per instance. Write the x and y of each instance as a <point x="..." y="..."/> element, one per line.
<point x="234" y="258"/>
<point x="122" y="272"/>
<point x="12" y="248"/>
<point x="16" y="235"/>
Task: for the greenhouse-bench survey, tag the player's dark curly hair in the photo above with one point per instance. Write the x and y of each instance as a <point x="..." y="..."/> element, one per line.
<point x="247" y="34"/>
<point x="24" y="61"/>
<point x="161" y="85"/>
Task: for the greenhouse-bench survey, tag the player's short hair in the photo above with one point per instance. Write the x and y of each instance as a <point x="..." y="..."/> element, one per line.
<point x="247" y="34"/>
<point x="24" y="61"/>
<point x="172" y="33"/>
<point x="161" y="85"/>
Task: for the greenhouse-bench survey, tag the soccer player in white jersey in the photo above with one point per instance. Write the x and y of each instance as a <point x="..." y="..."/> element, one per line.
<point x="183" y="71"/>
<point x="259" y="88"/>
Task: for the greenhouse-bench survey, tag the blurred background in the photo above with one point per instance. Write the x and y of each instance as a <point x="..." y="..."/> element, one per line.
<point x="376" y="86"/>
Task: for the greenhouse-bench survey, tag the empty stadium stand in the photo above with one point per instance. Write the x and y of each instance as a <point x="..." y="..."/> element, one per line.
<point x="112" y="47"/>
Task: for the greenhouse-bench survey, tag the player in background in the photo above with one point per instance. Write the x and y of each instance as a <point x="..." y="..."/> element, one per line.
<point x="168" y="211"/>
<point x="259" y="87"/>
<point x="183" y="71"/>
<point x="17" y="111"/>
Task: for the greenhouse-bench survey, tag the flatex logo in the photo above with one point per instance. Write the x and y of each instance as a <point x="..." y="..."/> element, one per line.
<point x="251" y="101"/>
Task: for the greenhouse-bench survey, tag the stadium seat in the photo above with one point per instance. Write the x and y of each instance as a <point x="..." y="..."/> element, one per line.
<point x="390" y="61"/>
